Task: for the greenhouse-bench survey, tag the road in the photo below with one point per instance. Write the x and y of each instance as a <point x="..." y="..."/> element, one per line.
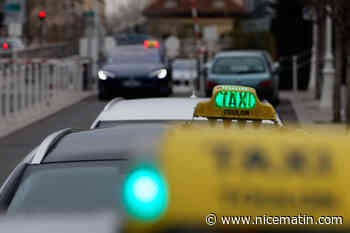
<point x="16" y="146"/>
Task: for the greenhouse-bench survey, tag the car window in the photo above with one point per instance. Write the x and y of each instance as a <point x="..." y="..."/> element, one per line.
<point x="134" y="58"/>
<point x="79" y="187"/>
<point x="238" y="65"/>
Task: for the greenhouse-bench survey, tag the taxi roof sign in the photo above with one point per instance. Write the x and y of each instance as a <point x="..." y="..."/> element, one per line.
<point x="235" y="102"/>
<point x="258" y="173"/>
<point x="151" y="44"/>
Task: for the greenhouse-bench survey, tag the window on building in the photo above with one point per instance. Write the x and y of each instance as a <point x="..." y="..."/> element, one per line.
<point x="219" y="4"/>
<point x="171" y="4"/>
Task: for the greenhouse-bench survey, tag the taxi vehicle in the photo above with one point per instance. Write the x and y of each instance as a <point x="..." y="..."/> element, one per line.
<point x="247" y="68"/>
<point x="185" y="178"/>
<point x="137" y="69"/>
<point x="235" y="102"/>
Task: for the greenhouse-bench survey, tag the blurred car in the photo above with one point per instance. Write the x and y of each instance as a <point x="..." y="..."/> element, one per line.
<point x="247" y="68"/>
<point x="164" y="110"/>
<point x="132" y="39"/>
<point x="135" y="67"/>
<point x="184" y="74"/>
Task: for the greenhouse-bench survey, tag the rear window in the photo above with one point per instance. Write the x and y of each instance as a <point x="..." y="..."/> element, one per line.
<point x="238" y="65"/>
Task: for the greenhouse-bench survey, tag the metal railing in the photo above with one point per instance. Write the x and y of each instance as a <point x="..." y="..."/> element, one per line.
<point x="48" y="51"/>
<point x="294" y="63"/>
<point x="31" y="89"/>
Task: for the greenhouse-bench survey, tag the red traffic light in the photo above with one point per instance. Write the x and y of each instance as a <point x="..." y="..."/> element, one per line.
<point x="5" y="46"/>
<point x="42" y="14"/>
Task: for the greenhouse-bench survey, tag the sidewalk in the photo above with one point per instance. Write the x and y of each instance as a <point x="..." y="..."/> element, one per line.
<point x="308" y="110"/>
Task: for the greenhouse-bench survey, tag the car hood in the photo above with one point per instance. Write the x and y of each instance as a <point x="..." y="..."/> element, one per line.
<point x="132" y="69"/>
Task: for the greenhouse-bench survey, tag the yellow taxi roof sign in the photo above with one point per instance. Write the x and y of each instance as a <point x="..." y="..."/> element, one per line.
<point x="217" y="173"/>
<point x="235" y="102"/>
<point x="270" y="173"/>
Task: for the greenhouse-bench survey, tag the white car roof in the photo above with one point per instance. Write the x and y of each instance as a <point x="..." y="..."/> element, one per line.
<point x="150" y="109"/>
<point x="153" y="109"/>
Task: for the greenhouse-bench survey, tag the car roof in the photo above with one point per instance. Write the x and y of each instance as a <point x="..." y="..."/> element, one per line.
<point x="151" y="109"/>
<point x="238" y="53"/>
<point x="122" y="143"/>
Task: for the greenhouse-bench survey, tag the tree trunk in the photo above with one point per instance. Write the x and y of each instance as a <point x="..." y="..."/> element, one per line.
<point x="320" y="58"/>
<point x="338" y="76"/>
<point x="348" y="86"/>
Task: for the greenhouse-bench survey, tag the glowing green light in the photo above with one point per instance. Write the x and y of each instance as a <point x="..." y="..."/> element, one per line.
<point x="235" y="100"/>
<point x="145" y="194"/>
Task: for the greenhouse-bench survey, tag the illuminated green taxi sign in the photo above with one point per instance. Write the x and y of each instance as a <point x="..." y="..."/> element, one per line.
<point x="235" y="99"/>
<point x="235" y="102"/>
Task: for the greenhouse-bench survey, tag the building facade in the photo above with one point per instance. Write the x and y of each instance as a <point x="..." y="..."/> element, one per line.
<point x="65" y="19"/>
<point x="175" y="16"/>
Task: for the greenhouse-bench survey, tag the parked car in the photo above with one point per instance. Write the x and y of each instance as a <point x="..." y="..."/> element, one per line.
<point x="246" y="68"/>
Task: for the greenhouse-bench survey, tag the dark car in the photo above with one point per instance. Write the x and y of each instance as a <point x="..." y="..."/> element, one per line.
<point x="132" y="38"/>
<point x="136" y="69"/>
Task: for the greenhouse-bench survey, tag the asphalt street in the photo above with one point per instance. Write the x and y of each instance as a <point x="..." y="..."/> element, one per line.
<point x="16" y="146"/>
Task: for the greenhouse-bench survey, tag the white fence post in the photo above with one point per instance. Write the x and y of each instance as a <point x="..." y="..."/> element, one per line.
<point x="295" y="75"/>
<point x="22" y="89"/>
<point x="7" y="92"/>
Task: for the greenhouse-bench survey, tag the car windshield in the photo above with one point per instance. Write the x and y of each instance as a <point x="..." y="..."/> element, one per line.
<point x="135" y="58"/>
<point x="238" y="65"/>
<point x="77" y="187"/>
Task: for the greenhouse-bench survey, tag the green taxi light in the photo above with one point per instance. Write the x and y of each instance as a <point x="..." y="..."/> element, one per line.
<point x="235" y="100"/>
<point x="145" y="194"/>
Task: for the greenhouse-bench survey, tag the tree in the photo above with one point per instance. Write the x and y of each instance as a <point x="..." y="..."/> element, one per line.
<point x="127" y="14"/>
<point x="338" y="11"/>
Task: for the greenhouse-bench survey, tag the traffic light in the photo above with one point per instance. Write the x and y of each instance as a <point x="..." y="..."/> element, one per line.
<point x="5" y="46"/>
<point x="42" y="15"/>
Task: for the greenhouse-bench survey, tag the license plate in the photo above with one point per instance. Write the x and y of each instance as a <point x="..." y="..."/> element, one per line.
<point x="131" y="83"/>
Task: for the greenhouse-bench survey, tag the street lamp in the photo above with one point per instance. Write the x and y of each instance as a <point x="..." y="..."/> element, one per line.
<point x="328" y="70"/>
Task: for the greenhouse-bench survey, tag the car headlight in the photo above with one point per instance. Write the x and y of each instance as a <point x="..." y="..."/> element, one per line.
<point x="161" y="74"/>
<point x="103" y="75"/>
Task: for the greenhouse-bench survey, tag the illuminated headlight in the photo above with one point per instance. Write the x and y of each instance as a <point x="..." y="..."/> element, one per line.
<point x="103" y="75"/>
<point x="161" y="74"/>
